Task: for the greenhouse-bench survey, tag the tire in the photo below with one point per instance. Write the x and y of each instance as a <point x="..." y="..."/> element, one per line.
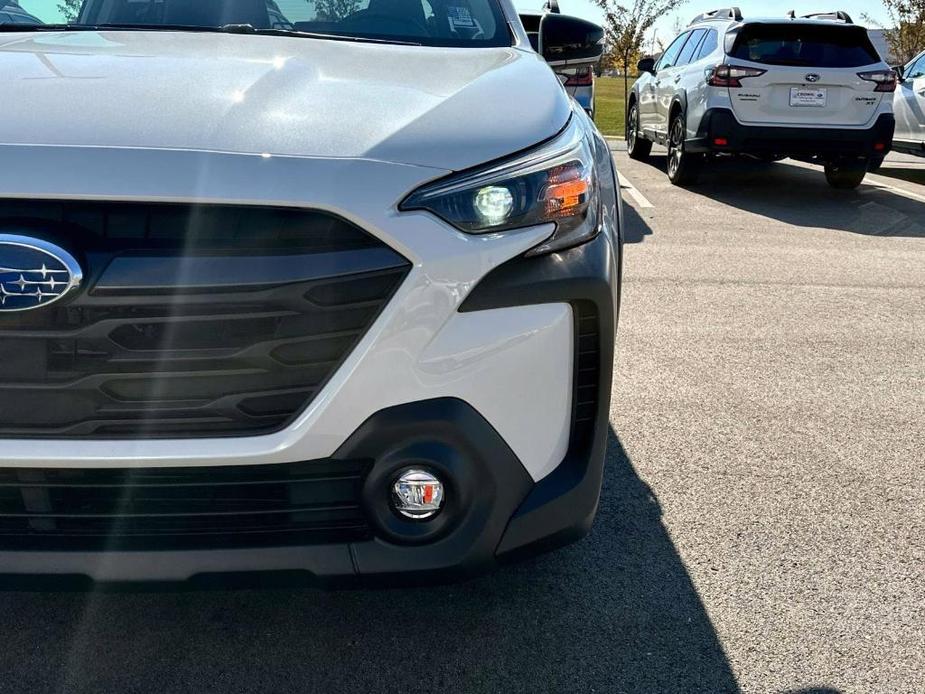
<point x="683" y="167"/>
<point x="845" y="176"/>
<point x="637" y="146"/>
<point x="873" y="166"/>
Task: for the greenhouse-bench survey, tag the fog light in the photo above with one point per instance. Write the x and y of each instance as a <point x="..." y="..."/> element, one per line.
<point x="417" y="494"/>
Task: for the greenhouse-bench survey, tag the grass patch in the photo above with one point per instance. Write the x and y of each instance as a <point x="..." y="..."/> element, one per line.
<point x="610" y="105"/>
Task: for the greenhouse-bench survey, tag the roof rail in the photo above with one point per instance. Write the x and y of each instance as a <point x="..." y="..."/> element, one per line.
<point x="837" y="16"/>
<point x="722" y="13"/>
<point x="551" y="6"/>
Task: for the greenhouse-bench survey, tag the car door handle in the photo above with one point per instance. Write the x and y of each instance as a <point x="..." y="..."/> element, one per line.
<point x="677" y="79"/>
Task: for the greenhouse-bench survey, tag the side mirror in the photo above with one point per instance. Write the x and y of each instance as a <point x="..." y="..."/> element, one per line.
<point x="898" y="69"/>
<point x="646" y="65"/>
<point x="570" y="41"/>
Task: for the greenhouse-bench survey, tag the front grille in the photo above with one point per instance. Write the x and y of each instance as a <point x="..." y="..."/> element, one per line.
<point x="192" y="321"/>
<point x="178" y="508"/>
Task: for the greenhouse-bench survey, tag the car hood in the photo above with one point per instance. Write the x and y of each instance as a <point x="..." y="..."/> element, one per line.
<point x="447" y="108"/>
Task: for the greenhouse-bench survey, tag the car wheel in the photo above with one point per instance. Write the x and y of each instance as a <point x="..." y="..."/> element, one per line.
<point x="637" y="146"/>
<point x="683" y="167"/>
<point x="845" y="176"/>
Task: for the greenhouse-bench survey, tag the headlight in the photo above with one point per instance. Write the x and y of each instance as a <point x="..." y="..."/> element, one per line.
<point x="553" y="183"/>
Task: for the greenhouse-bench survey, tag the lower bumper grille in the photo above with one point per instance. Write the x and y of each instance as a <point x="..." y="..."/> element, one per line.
<point x="182" y="508"/>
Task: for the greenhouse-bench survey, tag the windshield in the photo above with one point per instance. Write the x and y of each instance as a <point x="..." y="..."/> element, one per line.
<point x="425" y="22"/>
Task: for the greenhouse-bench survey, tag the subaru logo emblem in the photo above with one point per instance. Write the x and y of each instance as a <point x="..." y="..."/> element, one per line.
<point x="812" y="77"/>
<point x="34" y="273"/>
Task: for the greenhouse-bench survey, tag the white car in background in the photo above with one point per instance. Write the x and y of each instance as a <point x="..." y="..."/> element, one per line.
<point x="909" y="107"/>
<point x="812" y="88"/>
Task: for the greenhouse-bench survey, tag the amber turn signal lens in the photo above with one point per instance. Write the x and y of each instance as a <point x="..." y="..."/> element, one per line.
<point x="568" y="191"/>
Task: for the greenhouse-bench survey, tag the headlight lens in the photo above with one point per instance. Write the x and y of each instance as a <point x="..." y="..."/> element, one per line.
<point x="554" y="183"/>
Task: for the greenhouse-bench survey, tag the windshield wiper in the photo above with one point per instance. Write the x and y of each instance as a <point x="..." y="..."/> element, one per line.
<point x="105" y="27"/>
<point x="250" y="29"/>
<point x="226" y="29"/>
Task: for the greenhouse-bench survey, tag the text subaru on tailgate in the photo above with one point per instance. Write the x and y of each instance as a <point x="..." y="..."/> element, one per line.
<point x="318" y="287"/>
<point x="812" y="88"/>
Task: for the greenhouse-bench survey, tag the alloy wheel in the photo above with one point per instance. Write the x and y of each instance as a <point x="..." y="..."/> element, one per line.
<point x="632" y="126"/>
<point x="675" y="146"/>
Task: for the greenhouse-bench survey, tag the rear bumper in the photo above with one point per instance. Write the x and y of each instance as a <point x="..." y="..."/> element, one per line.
<point x="495" y="511"/>
<point x="721" y="132"/>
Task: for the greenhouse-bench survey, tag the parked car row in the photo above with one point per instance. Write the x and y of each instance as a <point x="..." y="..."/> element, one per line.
<point x="813" y="88"/>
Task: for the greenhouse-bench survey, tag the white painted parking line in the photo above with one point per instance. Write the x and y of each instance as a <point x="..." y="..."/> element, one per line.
<point x="878" y="182"/>
<point x="631" y="189"/>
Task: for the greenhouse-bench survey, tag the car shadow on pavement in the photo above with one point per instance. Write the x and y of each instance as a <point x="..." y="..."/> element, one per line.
<point x="903" y="173"/>
<point x="799" y="196"/>
<point x="635" y="228"/>
<point x="616" y="612"/>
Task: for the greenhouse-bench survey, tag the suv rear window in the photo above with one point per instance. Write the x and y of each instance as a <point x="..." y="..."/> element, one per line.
<point x="802" y="44"/>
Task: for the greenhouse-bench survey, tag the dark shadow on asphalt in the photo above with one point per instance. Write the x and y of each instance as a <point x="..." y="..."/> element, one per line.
<point x="901" y="173"/>
<point x="802" y="198"/>
<point x="635" y="228"/>
<point x="616" y="612"/>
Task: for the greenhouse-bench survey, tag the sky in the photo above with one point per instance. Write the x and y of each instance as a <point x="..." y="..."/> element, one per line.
<point x="665" y="26"/>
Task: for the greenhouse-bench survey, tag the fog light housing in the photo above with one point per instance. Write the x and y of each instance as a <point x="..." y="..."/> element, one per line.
<point x="417" y="494"/>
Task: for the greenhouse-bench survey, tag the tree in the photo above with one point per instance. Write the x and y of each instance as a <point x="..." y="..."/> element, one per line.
<point x="626" y="23"/>
<point x="335" y="10"/>
<point x="70" y="9"/>
<point x="906" y="36"/>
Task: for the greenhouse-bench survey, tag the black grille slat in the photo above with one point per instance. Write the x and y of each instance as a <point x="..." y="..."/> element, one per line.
<point x="586" y="391"/>
<point x="183" y="507"/>
<point x="210" y="362"/>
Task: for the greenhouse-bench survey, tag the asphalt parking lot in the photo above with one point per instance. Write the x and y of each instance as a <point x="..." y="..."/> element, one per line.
<point x="762" y="526"/>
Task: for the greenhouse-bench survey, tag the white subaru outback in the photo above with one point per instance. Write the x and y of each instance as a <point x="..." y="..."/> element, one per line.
<point x="811" y="88"/>
<point x="307" y="286"/>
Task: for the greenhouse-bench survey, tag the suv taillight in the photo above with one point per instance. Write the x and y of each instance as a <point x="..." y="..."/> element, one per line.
<point x="730" y="75"/>
<point x="884" y="79"/>
<point x="582" y="78"/>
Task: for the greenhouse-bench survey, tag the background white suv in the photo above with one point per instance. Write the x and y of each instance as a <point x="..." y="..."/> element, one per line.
<point x="909" y="105"/>
<point x="811" y="88"/>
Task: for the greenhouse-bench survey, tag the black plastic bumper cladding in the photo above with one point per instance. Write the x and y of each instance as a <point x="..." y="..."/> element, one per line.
<point x="561" y="507"/>
<point x="176" y="524"/>
<point x="823" y="143"/>
<point x="193" y="321"/>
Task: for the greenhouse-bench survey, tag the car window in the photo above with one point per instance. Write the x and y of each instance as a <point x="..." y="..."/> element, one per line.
<point x="917" y="69"/>
<point x="710" y="42"/>
<point x="692" y="43"/>
<point x="806" y="45"/>
<point x="428" y="22"/>
<point x="670" y="56"/>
